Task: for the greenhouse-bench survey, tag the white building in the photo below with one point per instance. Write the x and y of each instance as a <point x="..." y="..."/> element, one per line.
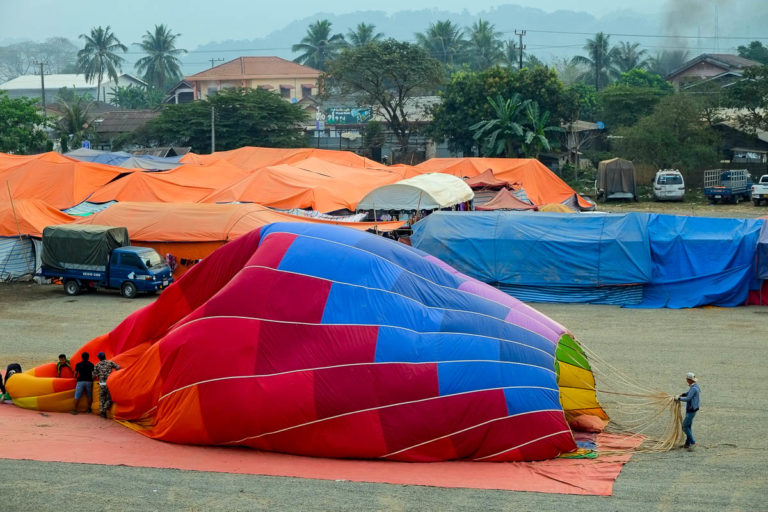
<point x="31" y="87"/>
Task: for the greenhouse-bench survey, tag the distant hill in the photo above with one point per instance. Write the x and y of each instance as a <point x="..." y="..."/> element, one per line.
<point x="403" y="25"/>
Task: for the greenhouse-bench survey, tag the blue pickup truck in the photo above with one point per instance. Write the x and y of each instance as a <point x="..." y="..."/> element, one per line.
<point x="727" y="185"/>
<point x="87" y="257"/>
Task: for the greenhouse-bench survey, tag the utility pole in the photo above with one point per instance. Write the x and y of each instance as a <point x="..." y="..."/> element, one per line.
<point x="42" y="84"/>
<point x="522" y="46"/>
<point x="213" y="131"/>
<point x="214" y="60"/>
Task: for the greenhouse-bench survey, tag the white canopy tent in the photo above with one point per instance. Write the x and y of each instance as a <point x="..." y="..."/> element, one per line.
<point x="424" y="192"/>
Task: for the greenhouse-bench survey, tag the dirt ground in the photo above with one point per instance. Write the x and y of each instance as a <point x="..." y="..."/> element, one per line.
<point x="744" y="209"/>
<point x="725" y="347"/>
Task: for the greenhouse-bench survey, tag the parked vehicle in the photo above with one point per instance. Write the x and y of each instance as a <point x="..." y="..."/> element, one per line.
<point x="615" y="180"/>
<point x="87" y="257"/>
<point x="668" y="185"/>
<point x="727" y="185"/>
<point x="760" y="190"/>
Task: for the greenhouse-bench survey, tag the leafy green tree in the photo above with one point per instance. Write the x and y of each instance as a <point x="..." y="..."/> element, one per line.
<point x="755" y="51"/>
<point x="627" y="56"/>
<point x="243" y="117"/>
<point x="640" y="78"/>
<point x="536" y="128"/>
<point x="99" y="56"/>
<point x="387" y="75"/>
<point x="501" y="134"/>
<point x="444" y="41"/>
<point x="599" y="60"/>
<point x="465" y="101"/>
<point x="750" y="95"/>
<point x="364" y="33"/>
<point x="532" y="62"/>
<point x="585" y="99"/>
<point x="132" y="97"/>
<point x="161" y="67"/>
<point x="484" y="45"/>
<point x="76" y="121"/>
<point x="624" y="105"/>
<point x="673" y="136"/>
<point x="21" y="126"/>
<point x="665" y="62"/>
<point x="319" y="46"/>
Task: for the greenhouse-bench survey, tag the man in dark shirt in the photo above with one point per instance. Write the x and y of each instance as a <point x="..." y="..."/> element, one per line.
<point x="84" y="376"/>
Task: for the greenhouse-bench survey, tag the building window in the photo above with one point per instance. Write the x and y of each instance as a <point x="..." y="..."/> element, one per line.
<point x="306" y="91"/>
<point x="285" y="92"/>
<point x="212" y="91"/>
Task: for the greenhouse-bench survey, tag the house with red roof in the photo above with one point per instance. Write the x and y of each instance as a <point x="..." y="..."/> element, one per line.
<point x="292" y="81"/>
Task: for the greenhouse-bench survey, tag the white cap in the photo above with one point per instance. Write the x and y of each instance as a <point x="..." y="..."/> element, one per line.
<point x="691" y="376"/>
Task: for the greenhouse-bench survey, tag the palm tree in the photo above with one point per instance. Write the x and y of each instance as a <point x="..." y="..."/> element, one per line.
<point x="319" y="46"/>
<point x="511" y="53"/>
<point x="598" y="61"/>
<point x="444" y="41"/>
<point x="161" y="67"/>
<point x="536" y="130"/>
<point x="484" y="45"/>
<point x="627" y="56"/>
<point x="363" y="33"/>
<point x="76" y="122"/>
<point x="99" y="56"/>
<point x="667" y="61"/>
<point x="504" y="131"/>
<point x="567" y="71"/>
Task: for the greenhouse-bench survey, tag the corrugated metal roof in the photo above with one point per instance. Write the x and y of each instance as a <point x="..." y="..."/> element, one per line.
<point x="58" y="81"/>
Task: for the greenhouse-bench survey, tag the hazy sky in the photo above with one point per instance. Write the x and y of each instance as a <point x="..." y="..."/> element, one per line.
<point x="201" y="22"/>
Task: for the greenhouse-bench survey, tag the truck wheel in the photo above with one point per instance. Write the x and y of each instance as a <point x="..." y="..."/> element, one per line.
<point x="756" y="202"/>
<point x="128" y="290"/>
<point x="71" y="287"/>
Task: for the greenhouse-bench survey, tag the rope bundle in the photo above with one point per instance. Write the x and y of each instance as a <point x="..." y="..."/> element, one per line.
<point x="637" y="410"/>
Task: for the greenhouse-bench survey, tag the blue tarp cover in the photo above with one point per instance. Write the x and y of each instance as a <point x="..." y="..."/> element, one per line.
<point x="700" y="260"/>
<point x="540" y="249"/>
<point x="681" y="261"/>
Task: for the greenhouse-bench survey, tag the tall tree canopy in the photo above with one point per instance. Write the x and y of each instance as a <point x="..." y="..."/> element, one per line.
<point x="319" y="46"/>
<point x="754" y="51"/>
<point x="364" y="33"/>
<point x="673" y="136"/>
<point x="665" y="62"/>
<point x="465" y="101"/>
<point x="161" y="67"/>
<point x="243" y="117"/>
<point x="599" y="60"/>
<point x="21" y="126"/>
<point x="484" y="45"/>
<point x="388" y="75"/>
<point x="627" y="56"/>
<point x="501" y="133"/>
<point x="751" y="95"/>
<point x="444" y="41"/>
<point x="99" y="56"/>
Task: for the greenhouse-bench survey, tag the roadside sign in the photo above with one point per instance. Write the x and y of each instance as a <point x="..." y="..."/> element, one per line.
<point x="87" y="144"/>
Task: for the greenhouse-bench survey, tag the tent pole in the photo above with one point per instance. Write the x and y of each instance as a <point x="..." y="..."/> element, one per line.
<point x="18" y="229"/>
<point x="375" y="220"/>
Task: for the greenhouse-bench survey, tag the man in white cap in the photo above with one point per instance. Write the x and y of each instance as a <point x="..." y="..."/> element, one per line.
<point x="691" y="399"/>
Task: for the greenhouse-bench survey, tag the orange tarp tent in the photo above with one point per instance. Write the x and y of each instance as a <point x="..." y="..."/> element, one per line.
<point x="187" y="183"/>
<point x="29" y="217"/>
<point x="252" y="158"/>
<point x="311" y="183"/>
<point x="541" y="185"/>
<point x="60" y="181"/>
<point x="191" y="231"/>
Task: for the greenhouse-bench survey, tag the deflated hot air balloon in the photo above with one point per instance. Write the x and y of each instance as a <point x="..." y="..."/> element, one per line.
<point x="320" y="340"/>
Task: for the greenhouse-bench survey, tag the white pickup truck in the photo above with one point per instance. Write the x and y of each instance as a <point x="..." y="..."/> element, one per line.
<point x="760" y="190"/>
